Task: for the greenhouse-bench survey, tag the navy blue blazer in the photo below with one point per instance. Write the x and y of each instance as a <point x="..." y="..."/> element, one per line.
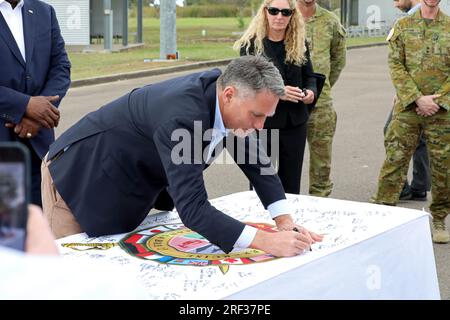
<point x="46" y="71"/>
<point x="119" y="164"/>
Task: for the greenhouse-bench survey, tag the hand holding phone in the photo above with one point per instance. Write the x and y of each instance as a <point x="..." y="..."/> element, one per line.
<point x="14" y="194"/>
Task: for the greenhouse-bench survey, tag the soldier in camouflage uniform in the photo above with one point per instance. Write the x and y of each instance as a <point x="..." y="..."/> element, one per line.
<point x="326" y="37"/>
<point x="419" y="60"/>
<point x="421" y="176"/>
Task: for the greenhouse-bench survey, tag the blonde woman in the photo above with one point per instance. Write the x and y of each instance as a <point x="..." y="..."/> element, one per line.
<point x="277" y="32"/>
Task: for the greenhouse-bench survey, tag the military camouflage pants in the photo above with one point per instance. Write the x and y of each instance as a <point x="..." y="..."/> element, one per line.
<point x="400" y="141"/>
<point x="321" y="129"/>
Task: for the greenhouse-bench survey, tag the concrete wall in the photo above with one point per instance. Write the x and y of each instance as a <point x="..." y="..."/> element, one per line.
<point x="97" y="24"/>
<point x="73" y="17"/>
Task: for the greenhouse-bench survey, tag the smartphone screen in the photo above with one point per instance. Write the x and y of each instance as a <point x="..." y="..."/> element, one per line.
<point x="14" y="172"/>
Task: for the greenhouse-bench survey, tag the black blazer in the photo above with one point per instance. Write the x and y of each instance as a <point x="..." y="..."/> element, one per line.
<point x="288" y="113"/>
<point x="119" y="165"/>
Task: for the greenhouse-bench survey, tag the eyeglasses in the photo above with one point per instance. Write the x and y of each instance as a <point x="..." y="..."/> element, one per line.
<point x="275" y="11"/>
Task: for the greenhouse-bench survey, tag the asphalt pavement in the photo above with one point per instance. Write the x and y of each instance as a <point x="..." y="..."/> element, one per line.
<point x="363" y="99"/>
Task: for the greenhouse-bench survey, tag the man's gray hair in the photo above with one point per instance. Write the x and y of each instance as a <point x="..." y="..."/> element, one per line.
<point x="252" y="74"/>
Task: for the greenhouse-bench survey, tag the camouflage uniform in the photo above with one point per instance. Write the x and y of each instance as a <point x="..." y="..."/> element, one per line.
<point x="326" y="37"/>
<point x="419" y="60"/>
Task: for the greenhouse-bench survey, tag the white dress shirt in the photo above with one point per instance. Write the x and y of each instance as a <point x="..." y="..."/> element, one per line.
<point x="13" y="18"/>
<point x="277" y="208"/>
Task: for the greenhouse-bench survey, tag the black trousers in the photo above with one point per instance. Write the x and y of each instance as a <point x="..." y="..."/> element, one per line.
<point x="286" y="147"/>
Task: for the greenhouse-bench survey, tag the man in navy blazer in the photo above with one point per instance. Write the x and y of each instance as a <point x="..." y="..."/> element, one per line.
<point x="105" y="173"/>
<point x="34" y="77"/>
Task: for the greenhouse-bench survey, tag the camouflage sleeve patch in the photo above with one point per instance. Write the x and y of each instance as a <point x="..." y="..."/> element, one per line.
<point x="341" y="30"/>
<point x="393" y="34"/>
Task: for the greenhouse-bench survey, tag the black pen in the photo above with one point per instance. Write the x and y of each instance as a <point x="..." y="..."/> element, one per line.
<point x="296" y="230"/>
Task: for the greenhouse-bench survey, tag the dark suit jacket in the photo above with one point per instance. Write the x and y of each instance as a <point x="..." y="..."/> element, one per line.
<point x="288" y="113"/>
<point x="119" y="164"/>
<point x="46" y="71"/>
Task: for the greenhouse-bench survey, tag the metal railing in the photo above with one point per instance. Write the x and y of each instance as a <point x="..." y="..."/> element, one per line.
<point x="363" y="31"/>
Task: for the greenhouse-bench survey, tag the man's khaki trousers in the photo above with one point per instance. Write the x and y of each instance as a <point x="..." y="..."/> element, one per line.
<point x="61" y="220"/>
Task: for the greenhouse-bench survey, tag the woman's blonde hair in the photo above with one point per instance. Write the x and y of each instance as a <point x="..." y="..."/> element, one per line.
<point x="258" y="29"/>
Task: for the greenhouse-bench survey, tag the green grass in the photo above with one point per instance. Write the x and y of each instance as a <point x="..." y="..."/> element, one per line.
<point x="192" y="46"/>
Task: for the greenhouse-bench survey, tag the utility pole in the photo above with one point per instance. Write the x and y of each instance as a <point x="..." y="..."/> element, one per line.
<point x="108" y="25"/>
<point x="168" y="30"/>
<point x="125" y="23"/>
<point x="345" y="13"/>
<point x="139" y="21"/>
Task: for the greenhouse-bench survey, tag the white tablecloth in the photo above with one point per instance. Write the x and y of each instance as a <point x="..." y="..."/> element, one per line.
<point x="369" y="252"/>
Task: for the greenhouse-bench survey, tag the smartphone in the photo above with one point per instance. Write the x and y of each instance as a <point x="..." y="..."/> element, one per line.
<point x="15" y="183"/>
